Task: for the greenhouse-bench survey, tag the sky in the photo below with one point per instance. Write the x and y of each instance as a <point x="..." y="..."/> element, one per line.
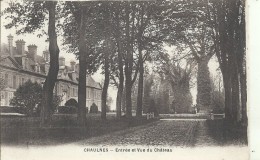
<point x="42" y="45"/>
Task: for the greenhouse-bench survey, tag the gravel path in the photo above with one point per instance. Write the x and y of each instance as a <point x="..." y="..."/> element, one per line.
<point x="159" y="133"/>
<point x="181" y="133"/>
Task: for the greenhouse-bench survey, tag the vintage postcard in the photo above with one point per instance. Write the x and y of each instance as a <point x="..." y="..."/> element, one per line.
<point x="164" y="79"/>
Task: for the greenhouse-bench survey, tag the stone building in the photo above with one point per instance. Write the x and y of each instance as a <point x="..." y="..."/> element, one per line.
<point x="17" y="65"/>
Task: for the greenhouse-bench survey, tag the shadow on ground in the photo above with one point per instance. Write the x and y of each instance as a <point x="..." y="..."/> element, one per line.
<point x="227" y="135"/>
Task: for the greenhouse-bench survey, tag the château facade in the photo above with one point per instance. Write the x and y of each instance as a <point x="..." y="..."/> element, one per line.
<point x="18" y="66"/>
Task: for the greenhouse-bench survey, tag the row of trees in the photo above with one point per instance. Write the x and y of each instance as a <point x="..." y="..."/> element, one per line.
<point x="122" y="36"/>
<point x="228" y="22"/>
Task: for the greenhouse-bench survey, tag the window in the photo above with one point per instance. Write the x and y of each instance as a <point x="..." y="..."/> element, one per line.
<point x="19" y="80"/>
<point x="9" y="96"/>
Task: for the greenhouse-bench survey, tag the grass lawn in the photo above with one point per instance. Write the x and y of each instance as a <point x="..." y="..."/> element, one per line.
<point x="26" y="130"/>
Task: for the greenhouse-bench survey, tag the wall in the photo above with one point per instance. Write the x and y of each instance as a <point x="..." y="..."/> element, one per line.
<point x="65" y="89"/>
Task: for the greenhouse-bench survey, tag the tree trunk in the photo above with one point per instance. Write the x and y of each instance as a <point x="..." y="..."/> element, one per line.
<point x="106" y="83"/>
<point x="128" y="68"/>
<point x="128" y="98"/>
<point x="141" y="66"/>
<point x="121" y="69"/>
<point x="230" y="38"/>
<point x="140" y="87"/>
<point x="82" y="69"/>
<point x="54" y="67"/>
<point x="203" y="85"/>
<point x="228" y="97"/>
<point x="121" y="83"/>
<point x="119" y="99"/>
<point x="123" y="102"/>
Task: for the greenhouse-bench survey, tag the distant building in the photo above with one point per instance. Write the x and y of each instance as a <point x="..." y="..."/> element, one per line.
<point x="18" y="65"/>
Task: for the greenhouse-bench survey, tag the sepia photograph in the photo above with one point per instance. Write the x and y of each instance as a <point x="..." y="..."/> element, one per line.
<point x="162" y="79"/>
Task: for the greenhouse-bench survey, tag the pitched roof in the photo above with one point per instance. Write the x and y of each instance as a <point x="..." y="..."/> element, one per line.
<point x="92" y="83"/>
<point x="67" y="73"/>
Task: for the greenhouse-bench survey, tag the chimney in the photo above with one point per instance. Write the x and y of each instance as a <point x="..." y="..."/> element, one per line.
<point x="20" y="46"/>
<point x="32" y="51"/>
<point x="10" y="44"/>
<point x="62" y="61"/>
<point x="72" y="65"/>
<point x="46" y="56"/>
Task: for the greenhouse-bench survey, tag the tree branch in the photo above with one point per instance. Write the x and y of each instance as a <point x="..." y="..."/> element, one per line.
<point x="193" y="49"/>
<point x="135" y="75"/>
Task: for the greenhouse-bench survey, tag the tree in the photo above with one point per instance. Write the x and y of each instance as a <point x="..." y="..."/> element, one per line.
<point x="82" y="66"/>
<point x="72" y="102"/>
<point x="82" y="43"/>
<point x="186" y="26"/>
<point x="179" y="75"/>
<point x="98" y="36"/>
<point x="54" y="66"/>
<point x="227" y="18"/>
<point x="93" y="108"/>
<point x="145" y="40"/>
<point x="128" y="61"/>
<point x="106" y="81"/>
<point x="123" y="29"/>
<point x="141" y="39"/>
<point x="120" y="84"/>
<point x="156" y="87"/>
<point x="28" y="17"/>
<point x="162" y="97"/>
<point x="108" y="49"/>
<point x="28" y="98"/>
